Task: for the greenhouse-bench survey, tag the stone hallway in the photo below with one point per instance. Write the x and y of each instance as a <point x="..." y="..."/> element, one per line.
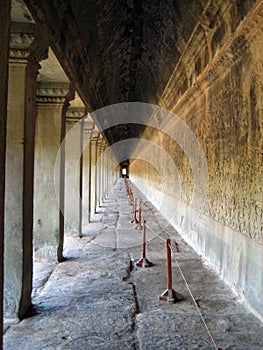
<point x="99" y="299"/>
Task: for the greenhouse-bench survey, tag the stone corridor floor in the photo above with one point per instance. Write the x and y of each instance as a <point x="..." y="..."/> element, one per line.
<point x="99" y="299"/>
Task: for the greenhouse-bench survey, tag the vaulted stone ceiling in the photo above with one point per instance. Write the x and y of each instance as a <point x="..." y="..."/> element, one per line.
<point x="122" y="50"/>
<point x="126" y="50"/>
<point x="133" y="45"/>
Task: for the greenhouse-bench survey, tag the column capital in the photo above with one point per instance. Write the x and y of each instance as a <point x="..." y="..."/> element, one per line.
<point x="95" y="135"/>
<point x="100" y="140"/>
<point x="74" y="115"/>
<point x="26" y="46"/>
<point x="54" y="93"/>
<point x="104" y="144"/>
<point x="88" y="126"/>
<point x="94" y="140"/>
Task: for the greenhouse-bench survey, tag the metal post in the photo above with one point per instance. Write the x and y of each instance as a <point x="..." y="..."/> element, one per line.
<point x="134" y="220"/>
<point x="143" y="243"/>
<point x="139" y="220"/>
<point x="170" y="295"/>
<point x="169" y="264"/>
<point x="81" y="178"/>
<point x="144" y="262"/>
<point x="131" y="196"/>
<point x="127" y="185"/>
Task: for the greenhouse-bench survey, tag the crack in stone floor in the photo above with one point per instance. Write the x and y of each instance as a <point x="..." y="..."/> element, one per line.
<point x="99" y="299"/>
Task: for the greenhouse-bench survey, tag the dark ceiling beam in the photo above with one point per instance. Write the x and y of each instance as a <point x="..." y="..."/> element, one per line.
<point x="58" y="25"/>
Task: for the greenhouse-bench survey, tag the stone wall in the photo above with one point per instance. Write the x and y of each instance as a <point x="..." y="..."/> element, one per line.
<point x="4" y="46"/>
<point x="223" y="106"/>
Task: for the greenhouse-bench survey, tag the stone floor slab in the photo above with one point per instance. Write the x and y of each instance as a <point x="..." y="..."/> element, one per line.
<point x="99" y="299"/>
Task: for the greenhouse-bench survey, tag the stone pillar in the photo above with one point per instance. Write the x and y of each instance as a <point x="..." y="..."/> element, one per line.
<point x="98" y="171"/>
<point x="101" y="171"/>
<point x="81" y="179"/>
<point x="23" y="70"/>
<point x="86" y="191"/>
<point x="52" y="103"/>
<point x="107" y="174"/>
<point x="4" y="48"/>
<point x="93" y="179"/>
<point x="104" y="171"/>
<point x="73" y="174"/>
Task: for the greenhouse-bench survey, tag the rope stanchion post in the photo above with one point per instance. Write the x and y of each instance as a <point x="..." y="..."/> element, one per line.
<point x="170" y="295"/>
<point x="144" y="262"/>
<point x="134" y="220"/>
<point x="128" y="190"/>
<point x="139" y="220"/>
<point x="194" y="301"/>
<point x="131" y="196"/>
<point x="127" y="185"/>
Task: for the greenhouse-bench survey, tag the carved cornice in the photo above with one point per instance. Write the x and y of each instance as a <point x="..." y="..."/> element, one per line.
<point x="100" y="140"/>
<point x="50" y="100"/>
<point x="175" y="80"/>
<point x="88" y="126"/>
<point x="52" y="90"/>
<point x="52" y="93"/>
<point x="19" y="54"/>
<point x="104" y="145"/>
<point x="92" y="131"/>
<point x="94" y="140"/>
<point x="19" y="45"/>
<point x="222" y="62"/>
<point x="74" y="116"/>
<point x="25" y="44"/>
<point x="21" y="40"/>
<point x="76" y="113"/>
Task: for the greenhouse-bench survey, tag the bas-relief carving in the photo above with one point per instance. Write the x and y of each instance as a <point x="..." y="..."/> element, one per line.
<point x="226" y="117"/>
<point x="182" y="165"/>
<point x="230" y="130"/>
<point x="235" y="176"/>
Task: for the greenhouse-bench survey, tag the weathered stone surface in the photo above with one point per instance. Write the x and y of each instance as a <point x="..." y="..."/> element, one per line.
<point x="72" y="177"/>
<point x="203" y="60"/>
<point x="128" y="51"/>
<point x="51" y="100"/>
<point x="23" y="69"/>
<point x="223" y="108"/>
<point x="4" y="48"/>
<point x="93" y="300"/>
<point x="132" y="48"/>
